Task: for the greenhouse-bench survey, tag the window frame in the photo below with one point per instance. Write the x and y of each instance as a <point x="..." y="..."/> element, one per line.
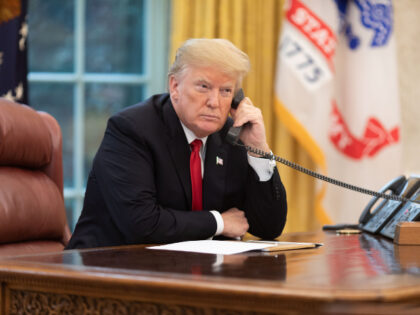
<point x="156" y="28"/>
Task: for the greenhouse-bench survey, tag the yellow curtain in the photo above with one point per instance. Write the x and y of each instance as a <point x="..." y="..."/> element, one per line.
<point x="253" y="26"/>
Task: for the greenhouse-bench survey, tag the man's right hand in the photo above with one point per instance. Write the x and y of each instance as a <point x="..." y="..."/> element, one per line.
<point x="235" y="223"/>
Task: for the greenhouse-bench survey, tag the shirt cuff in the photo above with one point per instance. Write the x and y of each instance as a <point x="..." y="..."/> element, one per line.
<point x="263" y="167"/>
<point x="219" y="222"/>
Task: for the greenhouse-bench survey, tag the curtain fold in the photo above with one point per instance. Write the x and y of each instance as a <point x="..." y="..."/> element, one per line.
<point x="254" y="26"/>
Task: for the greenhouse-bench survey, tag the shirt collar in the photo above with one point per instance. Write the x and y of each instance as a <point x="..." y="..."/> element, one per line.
<point x="191" y="136"/>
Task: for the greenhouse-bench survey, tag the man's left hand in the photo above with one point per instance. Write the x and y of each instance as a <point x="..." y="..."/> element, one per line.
<point x="253" y="130"/>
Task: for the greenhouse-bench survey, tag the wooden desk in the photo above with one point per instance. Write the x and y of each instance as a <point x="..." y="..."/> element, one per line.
<point x="350" y="274"/>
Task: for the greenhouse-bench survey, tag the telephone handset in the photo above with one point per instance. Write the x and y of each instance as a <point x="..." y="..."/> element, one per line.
<point x="233" y="133"/>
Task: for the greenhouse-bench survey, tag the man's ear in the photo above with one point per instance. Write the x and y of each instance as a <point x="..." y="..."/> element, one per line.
<point x="173" y="89"/>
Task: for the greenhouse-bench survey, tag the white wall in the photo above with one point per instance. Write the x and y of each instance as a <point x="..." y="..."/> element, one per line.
<point x="407" y="30"/>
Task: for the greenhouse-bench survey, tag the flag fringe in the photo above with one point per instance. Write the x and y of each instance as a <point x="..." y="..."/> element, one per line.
<point x="314" y="151"/>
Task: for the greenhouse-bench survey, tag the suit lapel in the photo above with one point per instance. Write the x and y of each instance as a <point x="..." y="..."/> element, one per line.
<point x="178" y="148"/>
<point x="214" y="173"/>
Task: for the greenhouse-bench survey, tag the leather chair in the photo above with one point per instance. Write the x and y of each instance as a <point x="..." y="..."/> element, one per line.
<point x="32" y="211"/>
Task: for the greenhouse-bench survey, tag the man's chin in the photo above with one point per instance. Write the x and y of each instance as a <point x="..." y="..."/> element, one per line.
<point x="207" y="129"/>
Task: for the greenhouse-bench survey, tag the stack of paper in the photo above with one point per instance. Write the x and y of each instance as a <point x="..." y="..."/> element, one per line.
<point x="232" y="247"/>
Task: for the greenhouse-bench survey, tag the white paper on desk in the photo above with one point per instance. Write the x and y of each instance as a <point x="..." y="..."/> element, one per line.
<point x="213" y="247"/>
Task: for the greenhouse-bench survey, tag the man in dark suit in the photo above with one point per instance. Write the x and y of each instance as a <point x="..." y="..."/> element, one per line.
<point x="148" y="185"/>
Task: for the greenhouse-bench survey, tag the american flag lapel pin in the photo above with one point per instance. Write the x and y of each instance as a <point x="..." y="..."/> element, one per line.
<point x="219" y="161"/>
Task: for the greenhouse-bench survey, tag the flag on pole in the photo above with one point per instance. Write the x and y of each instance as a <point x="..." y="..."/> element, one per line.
<point x="13" y="50"/>
<point x="337" y="92"/>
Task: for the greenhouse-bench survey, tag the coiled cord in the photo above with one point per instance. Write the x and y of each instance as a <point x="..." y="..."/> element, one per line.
<point x="327" y="179"/>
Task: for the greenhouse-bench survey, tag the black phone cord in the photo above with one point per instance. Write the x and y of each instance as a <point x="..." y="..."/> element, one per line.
<point x="327" y="179"/>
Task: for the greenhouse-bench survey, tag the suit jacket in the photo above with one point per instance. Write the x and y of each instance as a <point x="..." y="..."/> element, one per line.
<point x="139" y="188"/>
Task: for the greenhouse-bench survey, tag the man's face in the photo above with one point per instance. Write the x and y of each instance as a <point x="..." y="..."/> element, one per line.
<point x="201" y="97"/>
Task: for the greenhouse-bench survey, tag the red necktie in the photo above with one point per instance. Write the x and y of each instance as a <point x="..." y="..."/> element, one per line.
<point x="196" y="178"/>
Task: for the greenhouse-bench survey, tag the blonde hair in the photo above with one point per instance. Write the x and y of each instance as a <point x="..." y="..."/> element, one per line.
<point x="217" y="53"/>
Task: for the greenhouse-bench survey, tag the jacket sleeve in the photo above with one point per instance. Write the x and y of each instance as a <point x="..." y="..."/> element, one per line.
<point x="265" y="205"/>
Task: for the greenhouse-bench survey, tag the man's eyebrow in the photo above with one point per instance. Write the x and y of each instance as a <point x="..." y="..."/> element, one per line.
<point x="227" y="86"/>
<point x="207" y="82"/>
<point x="202" y="80"/>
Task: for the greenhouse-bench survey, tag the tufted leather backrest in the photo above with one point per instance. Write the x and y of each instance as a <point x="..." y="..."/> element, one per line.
<point x="32" y="211"/>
